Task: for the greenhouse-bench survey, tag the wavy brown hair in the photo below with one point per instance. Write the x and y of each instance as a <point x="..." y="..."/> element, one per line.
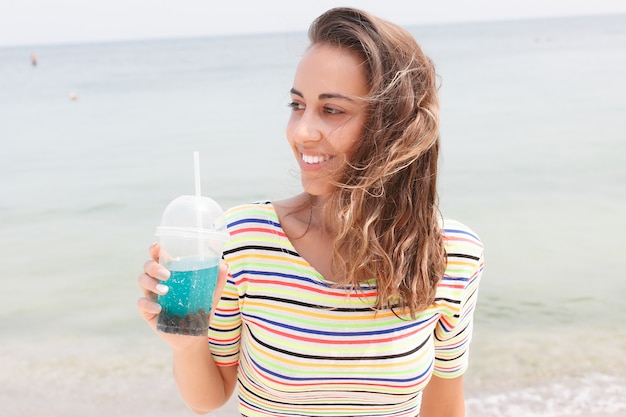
<point x="385" y="209"/>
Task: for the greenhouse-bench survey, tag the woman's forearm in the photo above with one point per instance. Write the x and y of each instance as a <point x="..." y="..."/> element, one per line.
<point x="202" y="384"/>
<point x="443" y="398"/>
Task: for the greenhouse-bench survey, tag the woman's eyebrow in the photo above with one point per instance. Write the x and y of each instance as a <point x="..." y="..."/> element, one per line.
<point x="339" y="96"/>
<point x="323" y="95"/>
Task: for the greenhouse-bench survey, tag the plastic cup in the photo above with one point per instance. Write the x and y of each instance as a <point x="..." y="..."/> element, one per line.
<point x="192" y="234"/>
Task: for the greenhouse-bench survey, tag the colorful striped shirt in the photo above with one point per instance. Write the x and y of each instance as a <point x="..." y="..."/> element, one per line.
<point x="307" y="348"/>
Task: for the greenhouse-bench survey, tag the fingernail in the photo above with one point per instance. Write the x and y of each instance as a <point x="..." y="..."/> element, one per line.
<point x="162" y="289"/>
<point x="153" y="244"/>
<point x="163" y="274"/>
<point x="155" y="308"/>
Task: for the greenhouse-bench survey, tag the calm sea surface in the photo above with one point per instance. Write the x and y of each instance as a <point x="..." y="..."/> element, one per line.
<point x="534" y="151"/>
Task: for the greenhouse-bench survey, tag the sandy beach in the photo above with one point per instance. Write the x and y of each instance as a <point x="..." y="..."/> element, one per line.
<point x="90" y="379"/>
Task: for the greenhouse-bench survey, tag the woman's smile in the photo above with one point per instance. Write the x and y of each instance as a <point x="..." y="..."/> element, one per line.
<point x="314" y="159"/>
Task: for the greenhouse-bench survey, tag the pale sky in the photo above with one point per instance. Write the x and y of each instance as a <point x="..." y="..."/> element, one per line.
<point x="25" y="22"/>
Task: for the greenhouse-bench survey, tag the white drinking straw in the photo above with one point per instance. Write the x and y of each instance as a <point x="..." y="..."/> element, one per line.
<point x="196" y="174"/>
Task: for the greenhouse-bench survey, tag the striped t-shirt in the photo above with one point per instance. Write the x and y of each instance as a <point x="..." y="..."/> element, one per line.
<point x="307" y="348"/>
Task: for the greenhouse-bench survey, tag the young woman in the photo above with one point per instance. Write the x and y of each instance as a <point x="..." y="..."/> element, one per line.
<point x="353" y="298"/>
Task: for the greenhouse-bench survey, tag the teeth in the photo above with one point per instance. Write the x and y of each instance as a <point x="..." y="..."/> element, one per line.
<point x="315" y="159"/>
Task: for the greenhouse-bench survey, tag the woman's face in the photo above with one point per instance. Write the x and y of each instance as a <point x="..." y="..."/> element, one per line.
<point x="328" y="113"/>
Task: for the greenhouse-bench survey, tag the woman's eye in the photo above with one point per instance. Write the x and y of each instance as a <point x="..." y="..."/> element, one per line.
<point x="295" y="106"/>
<point x="331" y="110"/>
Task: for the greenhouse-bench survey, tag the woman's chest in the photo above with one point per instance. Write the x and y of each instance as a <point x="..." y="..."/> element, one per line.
<point x="300" y="329"/>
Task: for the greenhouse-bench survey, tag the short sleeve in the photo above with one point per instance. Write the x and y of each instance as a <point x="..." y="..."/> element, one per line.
<point x="225" y="327"/>
<point x="457" y="295"/>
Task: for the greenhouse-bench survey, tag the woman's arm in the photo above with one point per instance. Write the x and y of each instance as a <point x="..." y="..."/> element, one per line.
<point x="443" y="397"/>
<point x="203" y="385"/>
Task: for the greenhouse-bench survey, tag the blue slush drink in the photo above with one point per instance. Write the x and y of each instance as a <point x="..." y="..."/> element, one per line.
<point x="192" y="234"/>
<point x="186" y="307"/>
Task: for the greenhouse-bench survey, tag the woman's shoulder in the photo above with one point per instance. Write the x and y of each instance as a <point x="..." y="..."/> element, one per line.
<point x="251" y="215"/>
<point x="460" y="239"/>
<point x="249" y="224"/>
<point x="464" y="261"/>
<point x="260" y="209"/>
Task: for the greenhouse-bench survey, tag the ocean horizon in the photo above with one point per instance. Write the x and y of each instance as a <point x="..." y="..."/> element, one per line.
<point x="270" y="33"/>
<point x="97" y="138"/>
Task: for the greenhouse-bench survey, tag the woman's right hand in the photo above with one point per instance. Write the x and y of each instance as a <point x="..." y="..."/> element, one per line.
<point x="150" y="285"/>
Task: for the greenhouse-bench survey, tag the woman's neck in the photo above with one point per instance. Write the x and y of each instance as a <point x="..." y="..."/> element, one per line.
<point x="308" y="213"/>
<point x="303" y="221"/>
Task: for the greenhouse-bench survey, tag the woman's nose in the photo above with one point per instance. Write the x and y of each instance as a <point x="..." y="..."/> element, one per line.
<point x="307" y="127"/>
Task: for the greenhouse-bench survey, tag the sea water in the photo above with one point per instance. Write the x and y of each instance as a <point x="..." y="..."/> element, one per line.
<point x="533" y="151"/>
<point x="186" y="307"/>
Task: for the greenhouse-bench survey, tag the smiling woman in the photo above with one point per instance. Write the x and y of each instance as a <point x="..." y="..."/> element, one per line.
<point x="353" y="298"/>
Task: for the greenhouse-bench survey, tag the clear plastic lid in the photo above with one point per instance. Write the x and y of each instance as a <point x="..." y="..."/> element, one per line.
<point x="193" y="217"/>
